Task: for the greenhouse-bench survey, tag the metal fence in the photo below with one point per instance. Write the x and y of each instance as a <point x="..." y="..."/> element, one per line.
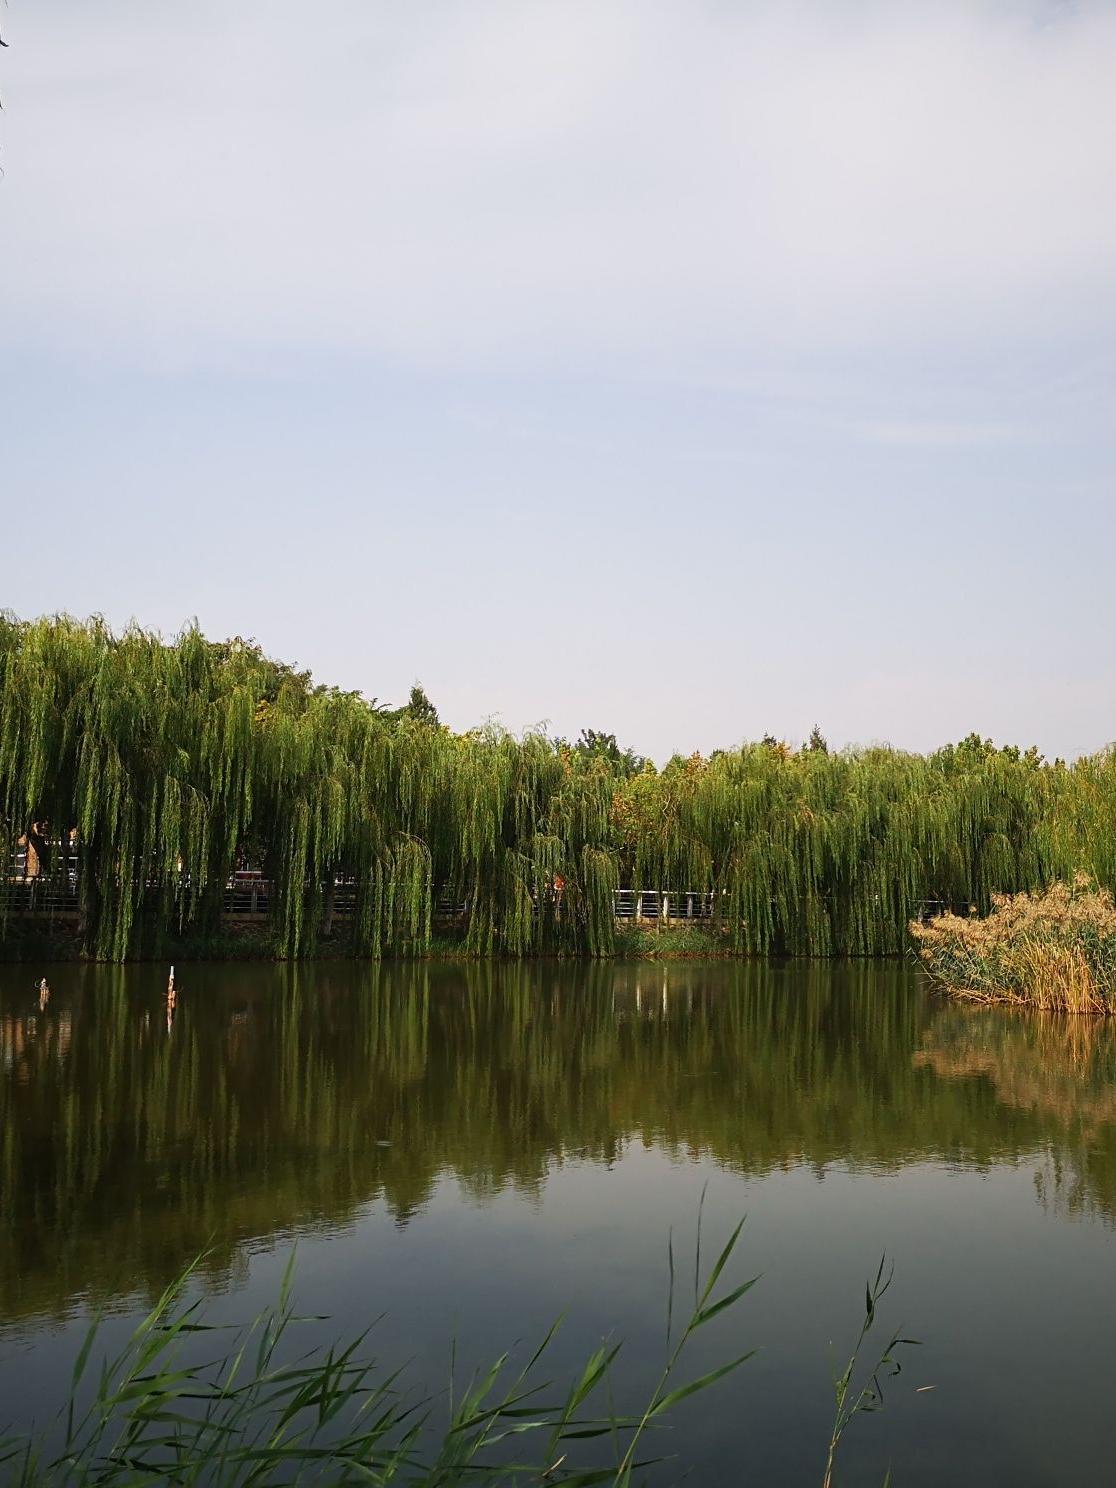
<point x="248" y="895"/>
<point x="40" y="896"/>
<point x="653" y="904"/>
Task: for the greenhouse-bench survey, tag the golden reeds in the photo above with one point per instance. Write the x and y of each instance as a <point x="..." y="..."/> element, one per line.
<point x="1053" y="950"/>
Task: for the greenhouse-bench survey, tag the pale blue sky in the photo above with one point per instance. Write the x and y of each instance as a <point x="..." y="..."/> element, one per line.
<point x="689" y="370"/>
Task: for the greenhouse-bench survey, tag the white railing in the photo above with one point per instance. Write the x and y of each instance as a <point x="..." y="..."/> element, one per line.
<point x="653" y="904"/>
<point x="247" y="894"/>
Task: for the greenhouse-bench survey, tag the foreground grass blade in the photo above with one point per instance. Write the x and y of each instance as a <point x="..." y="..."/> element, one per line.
<point x="155" y="1416"/>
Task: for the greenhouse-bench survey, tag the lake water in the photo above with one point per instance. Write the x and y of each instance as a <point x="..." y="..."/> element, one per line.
<point x="473" y="1150"/>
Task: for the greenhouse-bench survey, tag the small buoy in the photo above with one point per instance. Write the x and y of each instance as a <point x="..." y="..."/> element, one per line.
<point x="170" y="981"/>
<point x="44" y="994"/>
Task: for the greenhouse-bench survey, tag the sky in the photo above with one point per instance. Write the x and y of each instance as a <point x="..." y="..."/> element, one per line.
<point x="691" y="371"/>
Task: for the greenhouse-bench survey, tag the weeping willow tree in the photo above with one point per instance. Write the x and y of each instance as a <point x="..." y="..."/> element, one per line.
<point x="163" y="766"/>
<point x="821" y="854"/>
<point x="167" y="765"/>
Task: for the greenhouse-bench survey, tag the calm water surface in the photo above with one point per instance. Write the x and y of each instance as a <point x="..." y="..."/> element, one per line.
<point x="473" y="1150"/>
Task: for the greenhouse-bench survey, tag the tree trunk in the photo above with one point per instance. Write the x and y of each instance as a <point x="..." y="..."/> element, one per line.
<point x="38" y="852"/>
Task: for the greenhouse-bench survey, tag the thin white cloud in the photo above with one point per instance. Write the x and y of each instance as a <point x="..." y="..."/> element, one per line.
<point x="929" y="435"/>
<point x="530" y="184"/>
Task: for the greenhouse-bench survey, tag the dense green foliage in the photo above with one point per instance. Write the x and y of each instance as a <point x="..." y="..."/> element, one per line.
<point x="171" y="763"/>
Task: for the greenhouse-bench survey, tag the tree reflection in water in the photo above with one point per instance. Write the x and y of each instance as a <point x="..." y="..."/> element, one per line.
<point x="289" y="1096"/>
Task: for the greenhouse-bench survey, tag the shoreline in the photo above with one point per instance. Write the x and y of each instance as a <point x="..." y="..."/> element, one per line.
<point x="685" y="944"/>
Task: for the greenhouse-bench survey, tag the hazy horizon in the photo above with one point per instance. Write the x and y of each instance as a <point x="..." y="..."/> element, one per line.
<point x="688" y="373"/>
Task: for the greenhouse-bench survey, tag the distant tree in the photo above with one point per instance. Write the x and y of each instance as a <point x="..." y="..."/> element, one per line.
<point x="593" y="744"/>
<point x="420" y="708"/>
<point x="777" y="746"/>
<point x="973" y="746"/>
<point x="817" y="743"/>
<point x="973" y="752"/>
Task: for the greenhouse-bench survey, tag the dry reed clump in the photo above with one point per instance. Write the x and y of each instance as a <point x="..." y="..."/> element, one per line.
<point x="1054" y="950"/>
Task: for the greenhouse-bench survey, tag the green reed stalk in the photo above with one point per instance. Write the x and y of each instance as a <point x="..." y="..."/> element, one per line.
<point x="248" y="1417"/>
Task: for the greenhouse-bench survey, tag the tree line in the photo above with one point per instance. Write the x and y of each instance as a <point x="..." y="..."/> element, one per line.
<point x="166" y="765"/>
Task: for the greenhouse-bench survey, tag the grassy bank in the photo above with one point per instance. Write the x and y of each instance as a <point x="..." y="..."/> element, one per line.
<point x="33" y="945"/>
<point x="1054" y="950"/>
<point x="674" y="942"/>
